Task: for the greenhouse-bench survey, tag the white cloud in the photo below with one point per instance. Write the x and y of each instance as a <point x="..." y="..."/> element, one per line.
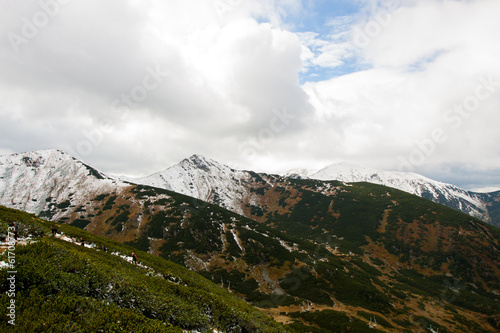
<point x="221" y="76"/>
<point x="391" y="110"/>
<point x="227" y="68"/>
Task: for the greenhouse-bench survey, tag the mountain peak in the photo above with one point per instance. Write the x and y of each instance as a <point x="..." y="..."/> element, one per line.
<point x="348" y="166"/>
<point x="199" y="161"/>
<point x="32" y="159"/>
<point x="198" y="157"/>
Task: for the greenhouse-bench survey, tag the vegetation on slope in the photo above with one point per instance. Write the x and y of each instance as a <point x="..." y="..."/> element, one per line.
<point x="405" y="249"/>
<point x="66" y="287"/>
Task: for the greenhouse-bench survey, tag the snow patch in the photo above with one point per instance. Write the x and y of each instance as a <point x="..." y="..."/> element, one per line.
<point x="237" y="240"/>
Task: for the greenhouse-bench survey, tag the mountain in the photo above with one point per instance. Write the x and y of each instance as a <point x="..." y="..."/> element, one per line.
<point x="484" y="206"/>
<point x="216" y="183"/>
<point x="61" y="286"/>
<point x="318" y="256"/>
<point x="35" y="181"/>
<point x="56" y="175"/>
<point x="203" y="179"/>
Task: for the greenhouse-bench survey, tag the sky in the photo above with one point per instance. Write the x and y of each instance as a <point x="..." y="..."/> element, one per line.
<point x="133" y="87"/>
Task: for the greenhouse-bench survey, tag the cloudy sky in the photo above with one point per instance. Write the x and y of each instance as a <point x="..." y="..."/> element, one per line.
<point x="133" y="87"/>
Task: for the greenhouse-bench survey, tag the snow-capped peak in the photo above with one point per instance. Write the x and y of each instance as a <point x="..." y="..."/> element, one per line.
<point x="350" y="172"/>
<point x="200" y="178"/>
<point x="413" y="183"/>
<point x="48" y="158"/>
<point x="299" y="173"/>
<point x="200" y="162"/>
<point x="29" y="181"/>
<point x="344" y="171"/>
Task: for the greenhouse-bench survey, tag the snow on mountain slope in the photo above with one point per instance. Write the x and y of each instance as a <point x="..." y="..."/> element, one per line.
<point x="37" y="182"/>
<point x="31" y="181"/>
<point x="298" y="173"/>
<point x="203" y="179"/>
<point x="447" y="194"/>
<point x="213" y="182"/>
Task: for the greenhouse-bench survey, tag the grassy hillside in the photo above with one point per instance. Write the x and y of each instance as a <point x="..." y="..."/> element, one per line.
<point x="63" y="286"/>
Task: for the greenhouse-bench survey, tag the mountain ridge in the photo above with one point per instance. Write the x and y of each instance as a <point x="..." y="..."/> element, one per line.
<point x="469" y="202"/>
<point x="224" y="182"/>
<point x="208" y="180"/>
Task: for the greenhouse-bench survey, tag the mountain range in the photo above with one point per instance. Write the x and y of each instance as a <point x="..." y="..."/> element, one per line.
<point x="481" y="205"/>
<point x="316" y="255"/>
<point x="210" y="181"/>
<point x="216" y="183"/>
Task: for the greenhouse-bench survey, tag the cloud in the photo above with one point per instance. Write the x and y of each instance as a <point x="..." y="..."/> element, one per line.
<point x="426" y="59"/>
<point x="108" y="82"/>
<point x="134" y="87"/>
